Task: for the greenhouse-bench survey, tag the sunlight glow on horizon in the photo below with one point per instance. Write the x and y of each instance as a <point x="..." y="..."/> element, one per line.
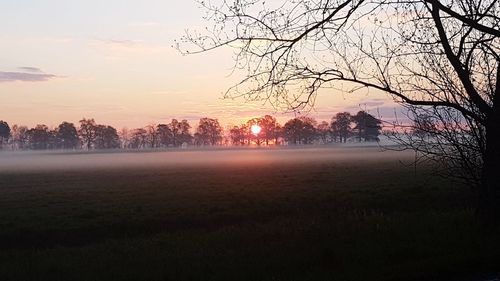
<point x="256" y="129"/>
<point x="113" y="61"/>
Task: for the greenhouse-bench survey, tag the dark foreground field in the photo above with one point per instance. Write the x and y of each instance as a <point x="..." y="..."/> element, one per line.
<point x="293" y="214"/>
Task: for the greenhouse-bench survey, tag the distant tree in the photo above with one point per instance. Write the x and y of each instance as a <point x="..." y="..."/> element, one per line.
<point x="209" y="132"/>
<point x="300" y="130"/>
<point x="67" y="136"/>
<point x="13" y="139"/>
<point x="324" y="131"/>
<point x="334" y="133"/>
<point x="309" y="130"/>
<point x="138" y="138"/>
<point x="341" y="125"/>
<point x="164" y="135"/>
<point x="40" y="137"/>
<point x="291" y="130"/>
<point x="278" y="133"/>
<point x="124" y="137"/>
<point x="18" y="136"/>
<point x="153" y="136"/>
<point x="245" y="134"/>
<point x="174" y="127"/>
<point x="52" y="144"/>
<point x="106" y="137"/>
<point x="367" y="126"/>
<point x="269" y="128"/>
<point x="22" y="136"/>
<point x="184" y="132"/>
<point x="87" y="132"/>
<point x="236" y="135"/>
<point x="4" y="132"/>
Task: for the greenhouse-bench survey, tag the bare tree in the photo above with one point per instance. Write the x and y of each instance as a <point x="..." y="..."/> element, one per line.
<point x="441" y="56"/>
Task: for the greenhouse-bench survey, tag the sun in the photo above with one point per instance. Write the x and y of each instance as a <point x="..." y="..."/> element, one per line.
<point x="255" y="129"/>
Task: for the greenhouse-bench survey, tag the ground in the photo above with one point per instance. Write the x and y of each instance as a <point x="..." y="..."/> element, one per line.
<point x="327" y="213"/>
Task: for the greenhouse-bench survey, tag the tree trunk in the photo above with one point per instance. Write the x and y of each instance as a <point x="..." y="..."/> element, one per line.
<point x="489" y="193"/>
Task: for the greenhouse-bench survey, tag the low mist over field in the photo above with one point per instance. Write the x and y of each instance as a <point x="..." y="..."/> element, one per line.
<point x="25" y="161"/>
<point x="308" y="213"/>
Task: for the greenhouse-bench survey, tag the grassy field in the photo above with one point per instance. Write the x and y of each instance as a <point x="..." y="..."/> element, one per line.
<point x="302" y="214"/>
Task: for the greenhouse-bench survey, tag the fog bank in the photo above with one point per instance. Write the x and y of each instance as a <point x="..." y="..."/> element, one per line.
<point x="13" y="161"/>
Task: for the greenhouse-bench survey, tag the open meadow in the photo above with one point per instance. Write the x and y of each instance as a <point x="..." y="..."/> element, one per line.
<point x="319" y="213"/>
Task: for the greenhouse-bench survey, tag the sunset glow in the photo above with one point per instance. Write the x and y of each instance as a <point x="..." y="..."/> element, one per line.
<point x="128" y="74"/>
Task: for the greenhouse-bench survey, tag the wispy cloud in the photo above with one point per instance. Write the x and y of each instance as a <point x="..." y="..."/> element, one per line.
<point x="373" y="102"/>
<point x="126" y="48"/>
<point x="29" y="74"/>
<point x="30" y="69"/>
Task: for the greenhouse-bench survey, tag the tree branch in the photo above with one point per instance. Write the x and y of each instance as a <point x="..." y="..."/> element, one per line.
<point x="464" y="19"/>
<point x="455" y="62"/>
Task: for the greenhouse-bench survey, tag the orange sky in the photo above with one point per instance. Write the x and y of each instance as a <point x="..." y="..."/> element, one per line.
<point x="113" y="61"/>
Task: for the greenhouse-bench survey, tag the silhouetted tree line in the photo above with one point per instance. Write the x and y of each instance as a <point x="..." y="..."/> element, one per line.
<point x="90" y="135"/>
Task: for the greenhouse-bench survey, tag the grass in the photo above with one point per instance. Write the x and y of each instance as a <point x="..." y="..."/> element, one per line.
<point x="323" y="220"/>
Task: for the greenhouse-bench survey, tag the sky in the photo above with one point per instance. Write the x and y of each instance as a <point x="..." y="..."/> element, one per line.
<point x="113" y="60"/>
